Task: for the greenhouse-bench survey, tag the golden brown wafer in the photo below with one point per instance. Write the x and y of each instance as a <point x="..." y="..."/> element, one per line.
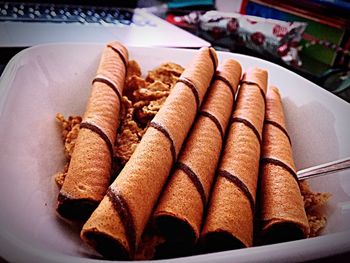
<point x="89" y="171"/>
<point x="282" y="214"/>
<point x="229" y="220"/>
<point x="179" y="214"/>
<point x="115" y="227"/>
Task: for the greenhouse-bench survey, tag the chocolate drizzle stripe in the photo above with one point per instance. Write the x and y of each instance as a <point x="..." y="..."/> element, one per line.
<point x="225" y="80"/>
<point x="99" y="132"/>
<point x="236" y="181"/>
<point x="195" y="180"/>
<point x="121" y="55"/>
<point x="257" y="85"/>
<point x="193" y="88"/>
<point x="279" y="126"/>
<point x="163" y="130"/>
<point x="281" y="164"/>
<point x="109" y="83"/>
<point x="215" y="120"/>
<point x="123" y="210"/>
<point x="248" y="124"/>
<point x="213" y="60"/>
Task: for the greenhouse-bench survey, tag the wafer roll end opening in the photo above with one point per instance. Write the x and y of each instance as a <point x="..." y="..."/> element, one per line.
<point x="75" y="209"/>
<point x="282" y="232"/>
<point x="219" y="241"/>
<point x="107" y="246"/>
<point x="179" y="236"/>
<point x="175" y="229"/>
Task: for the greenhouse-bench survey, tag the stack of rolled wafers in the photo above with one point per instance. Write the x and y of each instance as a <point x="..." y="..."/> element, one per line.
<point x="115" y="227"/>
<point x="230" y="216"/>
<point x="208" y="195"/>
<point x="282" y="214"/>
<point x="89" y="171"/>
<point x="178" y="216"/>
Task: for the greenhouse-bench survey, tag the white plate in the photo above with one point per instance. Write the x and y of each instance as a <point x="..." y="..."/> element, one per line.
<point x="44" y="80"/>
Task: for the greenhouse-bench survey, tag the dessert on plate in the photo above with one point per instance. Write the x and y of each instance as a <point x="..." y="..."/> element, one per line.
<point x="168" y="165"/>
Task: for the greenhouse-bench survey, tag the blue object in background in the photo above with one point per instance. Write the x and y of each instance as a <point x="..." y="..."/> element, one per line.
<point x="343" y="4"/>
<point x="255" y="9"/>
<point x="174" y="4"/>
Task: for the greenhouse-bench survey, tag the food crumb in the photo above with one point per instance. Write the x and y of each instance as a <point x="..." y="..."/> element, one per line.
<point x="313" y="202"/>
<point x="60" y="176"/>
<point x="69" y="134"/>
<point x="141" y="101"/>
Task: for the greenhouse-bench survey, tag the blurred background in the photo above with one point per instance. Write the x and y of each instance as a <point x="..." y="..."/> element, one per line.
<point x="318" y="49"/>
<point x="309" y="37"/>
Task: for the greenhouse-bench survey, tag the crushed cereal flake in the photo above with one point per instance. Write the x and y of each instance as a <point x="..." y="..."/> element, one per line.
<point x="60" y="176"/>
<point x="316" y="223"/>
<point x="143" y="98"/>
<point x="313" y="202"/>
<point x="167" y="73"/>
<point x="70" y="130"/>
<point x="69" y="134"/>
<point x="133" y="69"/>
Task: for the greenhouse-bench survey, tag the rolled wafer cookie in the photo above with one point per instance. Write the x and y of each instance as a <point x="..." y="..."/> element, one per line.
<point x="89" y="171"/>
<point x="115" y="227"/>
<point x="179" y="214"/>
<point x="282" y="215"/>
<point x="229" y="220"/>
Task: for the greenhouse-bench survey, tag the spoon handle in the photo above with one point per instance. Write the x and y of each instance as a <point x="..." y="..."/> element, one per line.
<point x="323" y="169"/>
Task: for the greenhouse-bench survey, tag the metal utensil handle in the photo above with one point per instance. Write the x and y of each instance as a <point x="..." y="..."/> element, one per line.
<point x="324" y="169"/>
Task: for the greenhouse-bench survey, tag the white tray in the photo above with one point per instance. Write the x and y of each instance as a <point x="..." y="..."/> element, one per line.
<point x="43" y="80"/>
